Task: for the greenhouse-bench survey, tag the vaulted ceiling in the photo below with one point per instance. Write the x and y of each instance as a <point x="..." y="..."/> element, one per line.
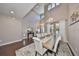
<point x="34" y="15"/>
<point x="19" y="9"/>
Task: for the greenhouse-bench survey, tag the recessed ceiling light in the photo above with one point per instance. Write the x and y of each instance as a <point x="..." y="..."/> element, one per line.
<point x="50" y="19"/>
<point x="11" y="11"/>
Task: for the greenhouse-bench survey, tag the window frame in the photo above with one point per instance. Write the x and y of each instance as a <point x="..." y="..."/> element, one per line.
<point x="52" y="5"/>
<point x="42" y="16"/>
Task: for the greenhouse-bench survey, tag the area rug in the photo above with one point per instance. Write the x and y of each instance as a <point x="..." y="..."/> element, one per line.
<point x="26" y="51"/>
<point x="30" y="50"/>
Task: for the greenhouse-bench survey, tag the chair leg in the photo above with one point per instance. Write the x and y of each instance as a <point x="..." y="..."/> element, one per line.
<point x="57" y="50"/>
<point x="36" y="53"/>
<point x="45" y="53"/>
<point x="54" y="54"/>
<point x="40" y="54"/>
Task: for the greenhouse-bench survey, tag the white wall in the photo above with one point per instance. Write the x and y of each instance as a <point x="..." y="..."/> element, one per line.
<point x="60" y="12"/>
<point x="10" y="30"/>
<point x="73" y="33"/>
<point x="57" y="13"/>
<point x="74" y="37"/>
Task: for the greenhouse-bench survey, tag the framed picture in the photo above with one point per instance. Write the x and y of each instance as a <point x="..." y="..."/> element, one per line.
<point x="74" y="18"/>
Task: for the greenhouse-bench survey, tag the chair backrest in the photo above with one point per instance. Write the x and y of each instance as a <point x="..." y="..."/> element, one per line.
<point x="38" y="35"/>
<point x="38" y="45"/>
<point x="49" y="44"/>
<point x="52" y="42"/>
<point x="56" y="43"/>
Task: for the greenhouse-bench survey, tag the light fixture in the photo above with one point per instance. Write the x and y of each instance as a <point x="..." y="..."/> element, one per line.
<point x="42" y="24"/>
<point x="11" y="11"/>
<point x="50" y="19"/>
<point x="12" y="14"/>
<point x="74" y="16"/>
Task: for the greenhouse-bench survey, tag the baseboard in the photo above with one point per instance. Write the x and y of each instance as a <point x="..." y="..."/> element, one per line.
<point x="10" y="42"/>
<point x="72" y="50"/>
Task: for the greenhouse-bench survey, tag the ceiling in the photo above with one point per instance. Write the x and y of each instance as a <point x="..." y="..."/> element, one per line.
<point x="20" y="9"/>
<point x="34" y="15"/>
<point x="39" y="8"/>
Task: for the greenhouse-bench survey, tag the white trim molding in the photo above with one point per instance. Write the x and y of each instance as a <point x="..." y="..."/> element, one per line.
<point x="72" y="49"/>
<point x="10" y="42"/>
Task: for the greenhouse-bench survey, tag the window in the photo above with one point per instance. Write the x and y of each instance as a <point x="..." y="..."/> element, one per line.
<point x="53" y="5"/>
<point x="57" y="4"/>
<point x="41" y="16"/>
<point x="50" y="6"/>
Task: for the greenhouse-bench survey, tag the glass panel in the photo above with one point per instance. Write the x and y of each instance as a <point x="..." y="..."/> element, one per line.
<point x="51" y="29"/>
<point x="57" y="4"/>
<point x="49" y="7"/>
<point x="53" y="5"/>
<point x="57" y="30"/>
<point x="42" y="16"/>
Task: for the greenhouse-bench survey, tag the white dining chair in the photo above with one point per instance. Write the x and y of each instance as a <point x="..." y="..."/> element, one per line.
<point x="48" y="42"/>
<point x="53" y="45"/>
<point x="56" y="46"/>
<point x="39" y="47"/>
